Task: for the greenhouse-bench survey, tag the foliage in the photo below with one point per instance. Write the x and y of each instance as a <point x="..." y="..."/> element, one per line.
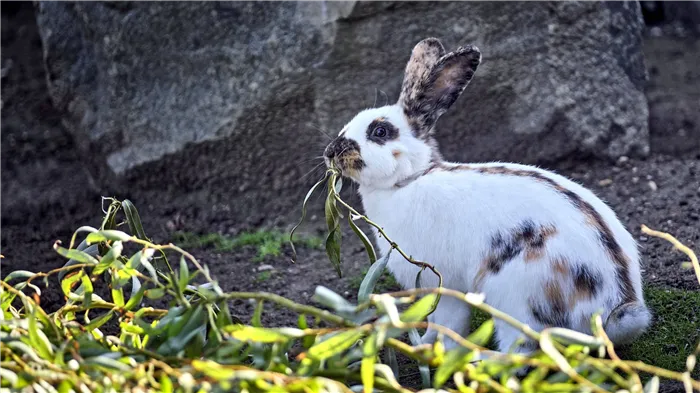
<point x="267" y="242"/>
<point x="130" y="323"/>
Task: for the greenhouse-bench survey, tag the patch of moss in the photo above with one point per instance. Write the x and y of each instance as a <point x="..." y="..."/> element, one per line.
<point x="268" y="242"/>
<point x="263" y="276"/>
<point x="674" y="333"/>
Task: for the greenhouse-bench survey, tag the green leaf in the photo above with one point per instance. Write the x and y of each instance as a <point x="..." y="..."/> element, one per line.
<point x="92" y="251"/>
<point x="79" y="256"/>
<point x="370" y="281"/>
<point x="107" y="234"/>
<point x="365" y="240"/>
<point x="334" y="238"/>
<point x="369" y="359"/>
<point x="422" y="368"/>
<point x="393" y="362"/>
<point x="166" y="384"/>
<point x="257" y="314"/>
<point x="118" y="297"/>
<point x="108" y="259"/>
<point x="8" y="377"/>
<point x="419" y="310"/>
<point x="136" y="298"/>
<point x="135" y="261"/>
<point x="133" y="219"/>
<point x="331" y="299"/>
<point x="224" y="318"/>
<point x="18" y="274"/>
<point x="301" y="322"/>
<point x="68" y="282"/>
<point x="87" y="290"/>
<point x="303" y="215"/>
<point x="96" y="323"/>
<point x="155" y="293"/>
<point x="213" y="370"/>
<point x="147" y="265"/>
<point x="652" y="386"/>
<point x="184" y="275"/>
<point x="258" y="335"/>
<point x="454" y="361"/>
<point x="333" y="249"/>
<point x="335" y="344"/>
<point x="104" y="361"/>
<point x="482" y="335"/>
<point x="38" y="339"/>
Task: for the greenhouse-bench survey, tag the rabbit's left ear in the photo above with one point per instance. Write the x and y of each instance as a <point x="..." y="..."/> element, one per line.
<point x="423" y="58"/>
<point x="426" y="95"/>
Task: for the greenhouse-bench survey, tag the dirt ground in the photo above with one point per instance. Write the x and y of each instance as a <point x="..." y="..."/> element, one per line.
<point x="46" y="194"/>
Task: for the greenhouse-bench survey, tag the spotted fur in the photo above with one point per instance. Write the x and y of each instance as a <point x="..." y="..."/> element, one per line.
<point x="540" y="247"/>
<point x="527" y="238"/>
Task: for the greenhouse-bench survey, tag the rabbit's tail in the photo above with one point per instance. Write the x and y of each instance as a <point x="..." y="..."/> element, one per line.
<point x="627" y="322"/>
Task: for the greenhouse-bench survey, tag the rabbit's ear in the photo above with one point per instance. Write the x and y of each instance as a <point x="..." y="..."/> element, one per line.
<point x="428" y="97"/>
<point x="424" y="56"/>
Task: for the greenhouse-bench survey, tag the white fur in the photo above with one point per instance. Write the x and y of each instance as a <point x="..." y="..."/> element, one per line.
<point x="447" y="218"/>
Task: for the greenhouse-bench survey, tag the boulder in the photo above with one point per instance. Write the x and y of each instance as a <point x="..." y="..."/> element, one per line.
<point x="240" y="94"/>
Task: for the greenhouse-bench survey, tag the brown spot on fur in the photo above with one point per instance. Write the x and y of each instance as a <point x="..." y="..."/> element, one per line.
<point x="396" y="153"/>
<point x="555" y="312"/>
<point x="527" y="237"/>
<point x="535" y="242"/>
<point x="587" y="282"/>
<point x="561" y="266"/>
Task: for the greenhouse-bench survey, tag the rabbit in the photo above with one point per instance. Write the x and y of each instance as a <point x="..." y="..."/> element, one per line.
<point x="537" y="245"/>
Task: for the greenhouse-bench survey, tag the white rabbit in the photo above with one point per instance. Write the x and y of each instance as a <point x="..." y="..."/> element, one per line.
<point x="539" y="247"/>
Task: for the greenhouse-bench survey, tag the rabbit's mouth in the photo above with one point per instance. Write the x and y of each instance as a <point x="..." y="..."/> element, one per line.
<point x="345" y="154"/>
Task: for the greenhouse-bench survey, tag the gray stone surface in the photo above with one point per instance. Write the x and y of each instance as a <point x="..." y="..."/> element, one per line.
<point x="203" y="93"/>
<point x="673" y="93"/>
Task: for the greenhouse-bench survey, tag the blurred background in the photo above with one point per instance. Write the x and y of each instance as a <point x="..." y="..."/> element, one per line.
<point x="211" y="116"/>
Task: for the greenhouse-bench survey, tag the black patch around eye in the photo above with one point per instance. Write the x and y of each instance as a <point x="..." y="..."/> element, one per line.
<point x="390" y="131"/>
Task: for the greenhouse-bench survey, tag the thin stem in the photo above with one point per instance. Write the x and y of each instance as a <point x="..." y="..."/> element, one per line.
<point x="678" y="245"/>
<point x="467" y="298"/>
<point x="299" y="308"/>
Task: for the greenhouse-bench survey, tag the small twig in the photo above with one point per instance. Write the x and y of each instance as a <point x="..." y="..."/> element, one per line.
<point x="468" y="298"/>
<point x="300" y="308"/>
<point x="613" y="355"/>
<point x="678" y="245"/>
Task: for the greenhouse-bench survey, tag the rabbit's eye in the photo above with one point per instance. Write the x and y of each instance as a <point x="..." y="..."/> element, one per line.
<point x="379" y="132"/>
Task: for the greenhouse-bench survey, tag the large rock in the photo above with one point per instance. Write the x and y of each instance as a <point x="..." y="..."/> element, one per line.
<point x="673" y="93"/>
<point x="205" y="93"/>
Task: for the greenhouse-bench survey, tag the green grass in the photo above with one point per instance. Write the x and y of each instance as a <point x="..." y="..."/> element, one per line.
<point x="268" y="242"/>
<point x="674" y="332"/>
<point x="263" y="276"/>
